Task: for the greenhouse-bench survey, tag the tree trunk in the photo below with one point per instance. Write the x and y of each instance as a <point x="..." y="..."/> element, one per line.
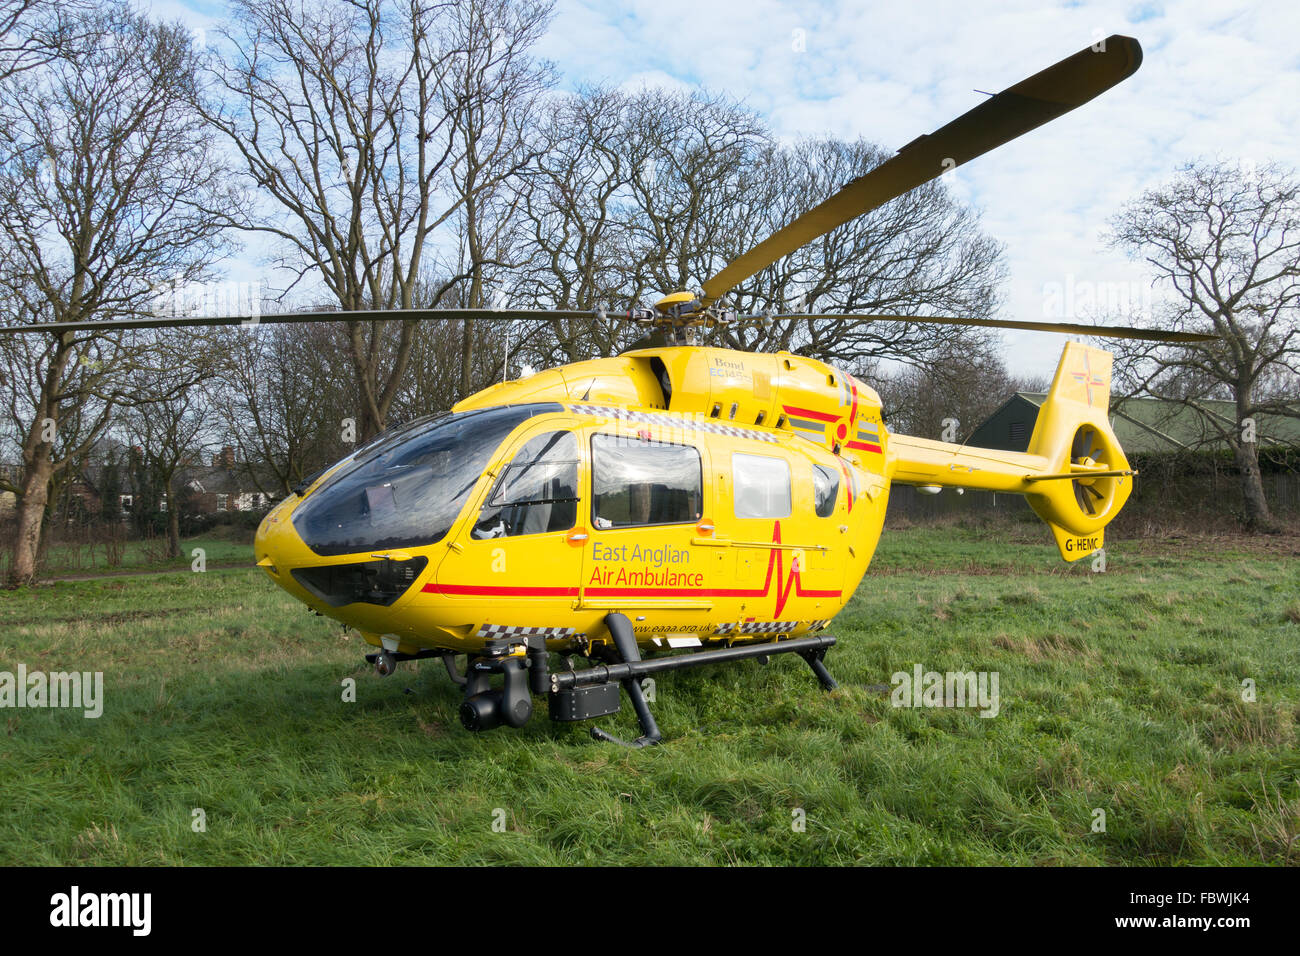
<point x="368" y="426"/>
<point x="1258" y="515"/>
<point x="475" y="293"/>
<point x="173" y="524"/>
<point x="31" y="519"/>
<point x="466" y="359"/>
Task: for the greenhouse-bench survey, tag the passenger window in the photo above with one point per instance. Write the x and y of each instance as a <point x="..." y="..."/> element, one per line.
<point x="537" y="493"/>
<point x="637" y="482"/>
<point x="826" y="488"/>
<point x="761" y="485"/>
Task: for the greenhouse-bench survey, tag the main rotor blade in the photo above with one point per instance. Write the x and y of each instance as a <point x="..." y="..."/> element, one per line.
<point x="1069" y="328"/>
<point x="1015" y="111"/>
<point x="279" y="318"/>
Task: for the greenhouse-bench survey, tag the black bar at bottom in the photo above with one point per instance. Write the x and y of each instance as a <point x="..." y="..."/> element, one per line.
<point x="603" y="673"/>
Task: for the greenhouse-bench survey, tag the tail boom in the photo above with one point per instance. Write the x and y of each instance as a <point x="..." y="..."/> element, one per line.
<point x="1074" y="475"/>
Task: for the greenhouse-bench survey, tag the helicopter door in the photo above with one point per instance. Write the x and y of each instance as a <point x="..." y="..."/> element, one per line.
<point x="784" y="546"/>
<point x="761" y="502"/>
<point x="523" y="548"/>
<point x="646" y="502"/>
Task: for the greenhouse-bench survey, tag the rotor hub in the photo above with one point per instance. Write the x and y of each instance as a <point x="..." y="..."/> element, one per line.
<point x="680" y="316"/>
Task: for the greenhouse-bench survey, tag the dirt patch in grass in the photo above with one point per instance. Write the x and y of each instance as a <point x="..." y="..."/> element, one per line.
<point x="118" y="617"/>
<point x="1052" y="646"/>
<point x="1284" y="545"/>
<point x="1234" y="724"/>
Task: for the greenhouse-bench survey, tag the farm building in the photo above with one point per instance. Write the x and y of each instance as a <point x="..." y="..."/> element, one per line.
<point x="1142" y="425"/>
<point x="1180" y="453"/>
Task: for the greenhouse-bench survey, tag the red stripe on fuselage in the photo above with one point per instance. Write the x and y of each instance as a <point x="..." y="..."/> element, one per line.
<point x="501" y="590"/>
<point x="809" y="413"/>
<point x="775" y="568"/>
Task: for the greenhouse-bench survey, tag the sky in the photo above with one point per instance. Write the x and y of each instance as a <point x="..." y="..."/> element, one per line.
<point x="1219" y="80"/>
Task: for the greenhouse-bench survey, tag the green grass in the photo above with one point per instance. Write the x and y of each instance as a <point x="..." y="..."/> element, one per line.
<point x="1119" y="691"/>
<point x="76" y="560"/>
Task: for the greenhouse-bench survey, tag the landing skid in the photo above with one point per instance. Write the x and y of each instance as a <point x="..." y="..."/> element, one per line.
<point x="386" y="661"/>
<point x="596" y="691"/>
<point x="620" y="631"/>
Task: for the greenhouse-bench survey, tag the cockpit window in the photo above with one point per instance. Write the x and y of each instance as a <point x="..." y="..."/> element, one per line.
<point x="406" y="489"/>
<point x="538" y="493"/>
<point x="826" y="488"/>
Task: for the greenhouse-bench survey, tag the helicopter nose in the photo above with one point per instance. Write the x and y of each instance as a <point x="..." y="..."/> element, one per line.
<point x="276" y="542"/>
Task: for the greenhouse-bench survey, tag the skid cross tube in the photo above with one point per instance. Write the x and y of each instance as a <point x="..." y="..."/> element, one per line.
<point x="603" y="673"/>
<point x="620" y="631"/>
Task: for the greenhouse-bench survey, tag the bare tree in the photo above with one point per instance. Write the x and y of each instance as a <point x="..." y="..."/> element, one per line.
<point x="950" y="395"/>
<point x="368" y="126"/>
<point x="172" y="417"/>
<point x="580" y="216"/>
<point x="436" y="371"/>
<point x="32" y="32"/>
<point x="59" y="397"/>
<point x="688" y="156"/>
<point x="923" y="253"/>
<point x="283" y="405"/>
<point x="433" y="384"/>
<point x="492" y="95"/>
<point x="1223" y="240"/>
<point x="647" y="193"/>
<point x="104" y="196"/>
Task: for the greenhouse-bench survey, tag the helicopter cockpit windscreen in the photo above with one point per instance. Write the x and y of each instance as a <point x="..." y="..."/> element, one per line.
<point x="406" y="491"/>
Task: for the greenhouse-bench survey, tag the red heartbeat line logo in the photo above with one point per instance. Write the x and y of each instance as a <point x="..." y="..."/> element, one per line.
<point x="776" y="564"/>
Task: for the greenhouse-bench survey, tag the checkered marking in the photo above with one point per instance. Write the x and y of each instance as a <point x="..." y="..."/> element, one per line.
<point x="757" y="627"/>
<point x="673" y="421"/>
<point x="497" y="631"/>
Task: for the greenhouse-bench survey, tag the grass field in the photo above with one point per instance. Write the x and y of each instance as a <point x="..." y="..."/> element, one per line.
<point x="1120" y="692"/>
<point x="78" y="560"/>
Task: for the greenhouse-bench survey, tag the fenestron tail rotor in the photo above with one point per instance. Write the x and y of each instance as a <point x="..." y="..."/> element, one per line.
<point x="1088" y="457"/>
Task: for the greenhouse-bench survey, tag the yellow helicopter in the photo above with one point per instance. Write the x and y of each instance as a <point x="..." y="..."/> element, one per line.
<point x="677" y="496"/>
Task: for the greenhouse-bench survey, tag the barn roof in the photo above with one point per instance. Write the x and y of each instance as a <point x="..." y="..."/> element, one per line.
<point x="1140" y="424"/>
